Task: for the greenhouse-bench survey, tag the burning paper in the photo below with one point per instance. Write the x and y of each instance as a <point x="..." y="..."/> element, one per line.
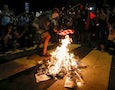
<point x="62" y="63"/>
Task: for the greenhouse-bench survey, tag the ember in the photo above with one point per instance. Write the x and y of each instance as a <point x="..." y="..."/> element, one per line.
<point x="61" y="63"/>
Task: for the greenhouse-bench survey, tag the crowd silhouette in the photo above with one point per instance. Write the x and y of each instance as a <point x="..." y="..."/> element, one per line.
<point x="93" y="25"/>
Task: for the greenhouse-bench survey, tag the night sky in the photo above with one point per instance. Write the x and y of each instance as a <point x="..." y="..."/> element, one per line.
<point x="18" y="5"/>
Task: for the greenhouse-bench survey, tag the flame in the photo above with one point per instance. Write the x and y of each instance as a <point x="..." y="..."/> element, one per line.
<point x="61" y="58"/>
<point x="61" y="63"/>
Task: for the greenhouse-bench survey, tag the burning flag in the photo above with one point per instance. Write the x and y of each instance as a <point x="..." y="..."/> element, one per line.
<point x="64" y="32"/>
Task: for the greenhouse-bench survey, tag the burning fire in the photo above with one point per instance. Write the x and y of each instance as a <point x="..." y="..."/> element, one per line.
<point x="61" y="58"/>
<point x="62" y="63"/>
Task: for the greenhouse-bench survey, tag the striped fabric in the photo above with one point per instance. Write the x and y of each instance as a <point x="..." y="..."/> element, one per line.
<point x="65" y="32"/>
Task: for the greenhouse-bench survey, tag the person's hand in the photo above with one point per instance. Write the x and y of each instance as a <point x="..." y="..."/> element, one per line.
<point x="55" y="30"/>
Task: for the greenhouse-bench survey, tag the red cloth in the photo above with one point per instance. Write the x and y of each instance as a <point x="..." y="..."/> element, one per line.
<point x="92" y="15"/>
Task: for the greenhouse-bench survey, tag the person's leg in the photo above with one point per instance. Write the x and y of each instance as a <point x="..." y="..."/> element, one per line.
<point x="46" y="36"/>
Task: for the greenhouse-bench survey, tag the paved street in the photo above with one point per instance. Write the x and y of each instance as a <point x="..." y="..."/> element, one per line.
<point x="19" y="74"/>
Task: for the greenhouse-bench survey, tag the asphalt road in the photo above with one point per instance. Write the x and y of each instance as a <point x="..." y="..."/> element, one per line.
<point x="26" y="80"/>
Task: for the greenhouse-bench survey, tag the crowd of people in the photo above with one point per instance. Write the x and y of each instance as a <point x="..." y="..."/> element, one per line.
<point x="15" y="30"/>
<point x="91" y="25"/>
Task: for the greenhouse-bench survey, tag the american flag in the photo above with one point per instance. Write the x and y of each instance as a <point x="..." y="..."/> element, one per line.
<point x="65" y="32"/>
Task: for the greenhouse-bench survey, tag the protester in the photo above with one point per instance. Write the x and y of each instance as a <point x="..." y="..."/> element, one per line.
<point x="45" y="27"/>
<point x="110" y="45"/>
<point x="43" y="30"/>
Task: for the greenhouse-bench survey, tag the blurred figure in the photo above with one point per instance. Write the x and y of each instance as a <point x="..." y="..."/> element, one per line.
<point x="102" y="29"/>
<point x="110" y="45"/>
<point x="43" y="30"/>
<point x="55" y="17"/>
<point x="45" y="27"/>
<point x="55" y="24"/>
<point x="8" y="36"/>
<point x="6" y="17"/>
